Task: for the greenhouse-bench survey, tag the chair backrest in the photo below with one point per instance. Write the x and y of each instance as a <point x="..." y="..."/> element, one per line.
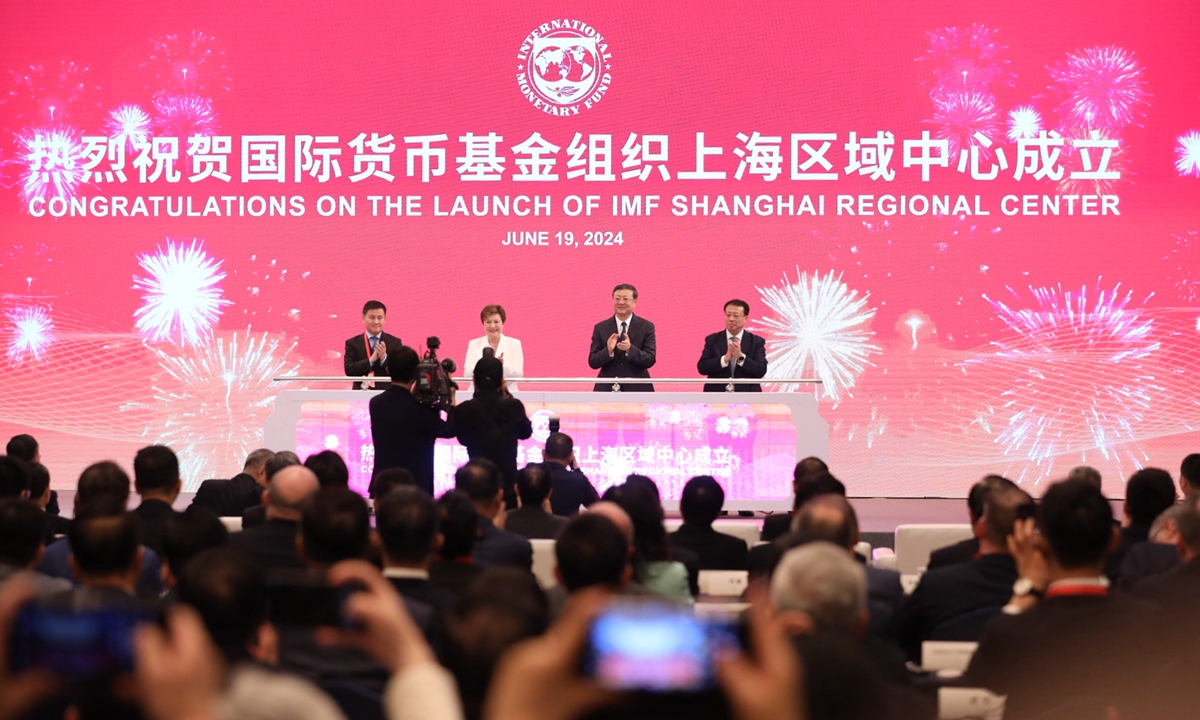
<point x="914" y="543"/>
<point x="723" y="583"/>
<point x="957" y="703"/>
<point x="747" y="530"/>
<point x="936" y="655"/>
<point x="544" y="562"/>
<point x="232" y="524"/>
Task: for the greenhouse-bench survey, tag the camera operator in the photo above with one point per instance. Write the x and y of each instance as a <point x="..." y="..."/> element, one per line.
<point x="492" y="421"/>
<point x="403" y="429"/>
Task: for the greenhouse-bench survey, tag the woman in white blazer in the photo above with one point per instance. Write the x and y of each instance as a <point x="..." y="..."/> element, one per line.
<point x="508" y="349"/>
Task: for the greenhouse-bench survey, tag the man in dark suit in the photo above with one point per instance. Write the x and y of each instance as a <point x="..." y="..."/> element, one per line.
<point x="480" y="480"/>
<point x="809" y="478"/>
<point x="403" y="430"/>
<point x="406" y="520"/>
<point x="492" y="422"/>
<point x="257" y="515"/>
<point x="572" y="489"/>
<point x="950" y="592"/>
<point x="532" y="520"/>
<point x="455" y="570"/>
<point x="232" y="497"/>
<point x="1148" y="493"/>
<point x="273" y="544"/>
<point x="700" y="504"/>
<point x="156" y="479"/>
<point x="623" y="346"/>
<point x="367" y="352"/>
<point x="734" y="352"/>
<point x="965" y="551"/>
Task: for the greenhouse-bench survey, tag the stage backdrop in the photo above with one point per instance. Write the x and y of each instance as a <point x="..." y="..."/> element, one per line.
<point x="977" y="222"/>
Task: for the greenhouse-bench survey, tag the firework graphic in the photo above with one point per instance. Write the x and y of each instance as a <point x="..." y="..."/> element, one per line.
<point x="1185" y="261"/>
<point x="183" y="115"/>
<point x="969" y="59"/>
<point x="51" y="157"/>
<point x="1023" y="122"/>
<point x="30" y="333"/>
<point x="1080" y="380"/>
<point x="1102" y="88"/>
<point x="1187" y="154"/>
<point x="211" y="401"/>
<point x="960" y="115"/>
<point x="182" y="297"/>
<point x="820" y="330"/>
<point x="189" y="62"/>
<point x="52" y="95"/>
<point x="1073" y="162"/>
<point x="128" y="124"/>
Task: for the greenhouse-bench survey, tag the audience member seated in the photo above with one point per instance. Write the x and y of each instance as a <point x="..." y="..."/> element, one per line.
<point x="779" y="524"/>
<point x="40" y="493"/>
<point x="1064" y="644"/>
<point x="406" y="520"/>
<point x="26" y="449"/>
<point x="257" y="515"/>
<point x="653" y="563"/>
<point x="1176" y="591"/>
<point x="572" y="489"/>
<point x="455" y="570"/>
<point x="592" y="551"/>
<point x="480" y="480"/>
<point x="100" y="481"/>
<point x="1157" y="556"/>
<point x="689" y="559"/>
<point x="762" y="559"/>
<point x="106" y="554"/>
<point x="231" y="498"/>
<point x="965" y="551"/>
<point x="1189" y="475"/>
<point x="22" y="542"/>
<point x="533" y="520"/>
<point x="1088" y="474"/>
<point x="1148" y="493"/>
<point x="330" y="468"/>
<point x="700" y="505"/>
<point x="14" y="478"/>
<point x="188" y="534"/>
<point x="156" y="479"/>
<point x="273" y="544"/>
<point x="954" y="602"/>
<point x="388" y="480"/>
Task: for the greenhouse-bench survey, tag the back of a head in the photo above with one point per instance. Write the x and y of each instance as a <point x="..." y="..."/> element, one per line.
<point x="402" y="365"/>
<point x="807" y="468"/>
<point x="39" y="480"/>
<point x="1189" y="470"/>
<point x="457" y="518"/>
<point x="479" y="479"/>
<point x="227" y="589"/>
<point x="102" y="479"/>
<point x="104" y="538"/>
<point x="826" y="518"/>
<point x="488" y="374"/>
<point x="978" y="493"/>
<point x="290" y="489"/>
<point x="336" y="526"/>
<point x="22" y="531"/>
<point x="257" y="458"/>
<point x="389" y="479"/>
<point x="22" y="447"/>
<point x="646" y="483"/>
<point x="534" y="484"/>
<point x="1189" y="523"/>
<point x="701" y="501"/>
<point x="649" y="536"/>
<point x="1000" y="512"/>
<point x="155" y="468"/>
<point x="1148" y="492"/>
<point x="1088" y="474"/>
<point x="821" y="580"/>
<point x="1077" y="522"/>
<point x="188" y="534"/>
<point x="816" y="485"/>
<point x="407" y="522"/>
<point x="330" y="469"/>
<point x="591" y="550"/>
<point x="279" y="461"/>
<point x="559" y="446"/>
<point x="14" y="477"/>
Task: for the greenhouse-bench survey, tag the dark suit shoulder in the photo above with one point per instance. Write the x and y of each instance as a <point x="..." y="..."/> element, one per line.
<point x="775" y="526"/>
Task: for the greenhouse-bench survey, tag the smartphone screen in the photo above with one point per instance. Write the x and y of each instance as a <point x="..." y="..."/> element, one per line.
<point x="656" y="647"/>
<point x="76" y="644"/>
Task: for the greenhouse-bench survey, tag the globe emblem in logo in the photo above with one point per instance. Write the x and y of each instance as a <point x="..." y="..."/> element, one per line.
<point x="564" y="66"/>
<point x="564" y="72"/>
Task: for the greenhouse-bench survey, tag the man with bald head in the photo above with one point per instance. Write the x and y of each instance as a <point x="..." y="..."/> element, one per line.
<point x="273" y="544"/>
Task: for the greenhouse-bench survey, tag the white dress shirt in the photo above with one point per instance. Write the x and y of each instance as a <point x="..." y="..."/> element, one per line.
<point x="510" y="348"/>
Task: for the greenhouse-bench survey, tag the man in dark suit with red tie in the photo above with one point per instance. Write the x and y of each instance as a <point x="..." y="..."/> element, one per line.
<point x="623" y="346"/>
<point x="733" y="352"/>
<point x="367" y="353"/>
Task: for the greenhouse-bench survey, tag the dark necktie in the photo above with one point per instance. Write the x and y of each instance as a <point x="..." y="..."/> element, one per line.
<point x="374" y="342"/>
<point x="623" y="324"/>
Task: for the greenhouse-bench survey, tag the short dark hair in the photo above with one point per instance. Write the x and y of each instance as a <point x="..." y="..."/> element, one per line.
<point x="228" y="590"/>
<point x="745" y="306"/>
<point x="1189" y="469"/>
<point x="22" y="531"/>
<point x="534" y="484"/>
<point x="701" y="501"/>
<point x="559" y="446"/>
<point x="815" y="485"/>
<point x="1148" y="492"/>
<point x="626" y="286"/>
<point x="39" y="480"/>
<point x="336" y="525"/>
<point x="370" y="305"/>
<point x="809" y="467"/>
<point x="188" y="534"/>
<point x="591" y="550"/>
<point x="104" y="538"/>
<point x="488" y="375"/>
<point x="480" y="479"/>
<point x="330" y="469"/>
<point x="14" y="477"/>
<point x="647" y="482"/>
<point x="1189" y="522"/>
<point x="650" y="542"/>
<point x="457" y="518"/>
<point x="22" y="447"/>
<point x="155" y="468"/>
<point x="977" y="496"/>
<point x="279" y="461"/>
<point x="389" y="479"/>
<point x="102" y="479"/>
<point x="402" y="365"/>
<point x="490" y="310"/>
<point x="1077" y="522"/>
<point x="407" y="522"/>
<point x="1000" y="509"/>
<point x="829" y="518"/>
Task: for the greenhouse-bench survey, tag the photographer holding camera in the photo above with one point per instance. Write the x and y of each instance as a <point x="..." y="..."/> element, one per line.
<point x="405" y="429"/>
<point x="492" y="421"/>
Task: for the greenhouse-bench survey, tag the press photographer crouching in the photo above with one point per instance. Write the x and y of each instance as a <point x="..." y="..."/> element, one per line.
<point x="403" y="429"/>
